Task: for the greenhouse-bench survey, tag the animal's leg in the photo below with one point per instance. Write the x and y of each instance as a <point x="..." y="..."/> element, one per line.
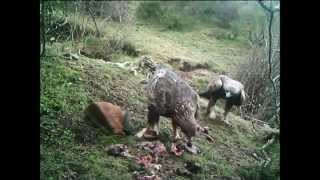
<point x="175" y="131"/>
<point x="227" y="109"/>
<point x="212" y="103"/>
<point x="153" y="119"/>
<point x="209" y="106"/>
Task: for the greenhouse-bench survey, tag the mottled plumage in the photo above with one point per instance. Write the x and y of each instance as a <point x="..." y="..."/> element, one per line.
<point x="172" y="97"/>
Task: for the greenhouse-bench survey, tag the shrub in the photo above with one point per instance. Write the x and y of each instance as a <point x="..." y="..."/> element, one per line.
<point x="225" y="12"/>
<point x="254" y="75"/>
<point x="260" y="172"/>
<point x="106" y="48"/>
<point x="150" y="10"/>
<point x="95" y="48"/>
<point x="129" y="49"/>
<point x="62" y="28"/>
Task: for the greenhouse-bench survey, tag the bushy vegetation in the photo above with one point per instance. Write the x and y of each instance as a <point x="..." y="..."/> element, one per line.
<point x="254" y="73"/>
<point x="107" y="48"/>
<point x="270" y="171"/>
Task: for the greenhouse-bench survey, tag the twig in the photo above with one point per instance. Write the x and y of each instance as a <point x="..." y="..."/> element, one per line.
<point x="94" y="20"/>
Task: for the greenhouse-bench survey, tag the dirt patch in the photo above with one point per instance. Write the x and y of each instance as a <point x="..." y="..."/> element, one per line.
<point x="201" y="73"/>
<point x="186" y="65"/>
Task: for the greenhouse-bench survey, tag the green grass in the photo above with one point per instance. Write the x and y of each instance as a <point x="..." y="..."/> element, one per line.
<point x="72" y="148"/>
<point x="198" y="45"/>
<point x="67" y="87"/>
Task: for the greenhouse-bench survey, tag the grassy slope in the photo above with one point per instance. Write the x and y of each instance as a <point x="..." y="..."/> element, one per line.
<point x="71" y="147"/>
<point x="198" y="45"/>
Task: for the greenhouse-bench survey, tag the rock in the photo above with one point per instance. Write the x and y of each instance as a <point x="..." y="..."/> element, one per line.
<point x="109" y="115"/>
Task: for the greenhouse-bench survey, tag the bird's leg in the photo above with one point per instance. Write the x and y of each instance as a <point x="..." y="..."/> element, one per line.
<point x="211" y="104"/>
<point x="227" y="109"/>
<point x="175" y="131"/>
<point x="153" y="120"/>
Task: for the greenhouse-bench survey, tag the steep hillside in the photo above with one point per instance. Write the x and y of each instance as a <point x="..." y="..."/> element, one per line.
<point x="73" y="148"/>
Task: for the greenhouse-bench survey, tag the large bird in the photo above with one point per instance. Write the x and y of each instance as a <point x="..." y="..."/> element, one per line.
<point x="223" y="87"/>
<point x="172" y="97"/>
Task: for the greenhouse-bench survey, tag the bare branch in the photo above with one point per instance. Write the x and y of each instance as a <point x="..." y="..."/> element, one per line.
<point x="93" y="18"/>
<point x="270" y="10"/>
<point x="270" y="48"/>
<point x="264" y="6"/>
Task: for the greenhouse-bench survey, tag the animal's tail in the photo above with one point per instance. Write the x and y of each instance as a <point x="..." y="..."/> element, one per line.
<point x="205" y="94"/>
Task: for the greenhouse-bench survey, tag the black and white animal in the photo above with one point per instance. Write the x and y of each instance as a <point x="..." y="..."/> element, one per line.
<point x="223" y="87"/>
<point x="170" y="96"/>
